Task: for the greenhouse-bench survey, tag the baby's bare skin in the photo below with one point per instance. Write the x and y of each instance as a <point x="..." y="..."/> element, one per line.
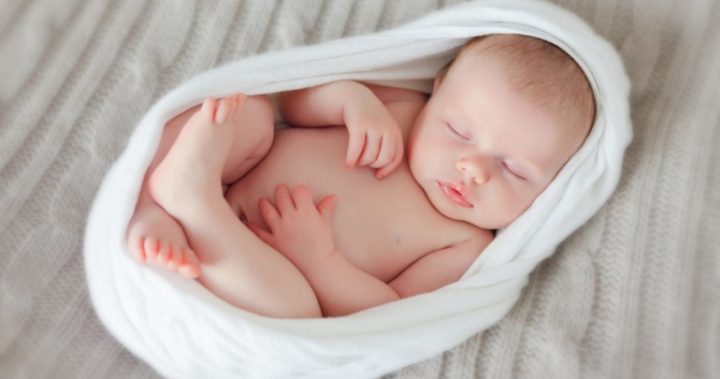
<point x="380" y="227"/>
<point x="154" y="236"/>
<point x="302" y="234"/>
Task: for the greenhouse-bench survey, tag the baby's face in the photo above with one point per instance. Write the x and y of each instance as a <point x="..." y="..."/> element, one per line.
<point x="480" y="150"/>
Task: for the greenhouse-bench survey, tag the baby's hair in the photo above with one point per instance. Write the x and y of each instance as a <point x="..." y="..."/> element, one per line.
<point x="542" y="71"/>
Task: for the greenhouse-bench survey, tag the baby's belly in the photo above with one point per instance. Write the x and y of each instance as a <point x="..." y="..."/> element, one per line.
<point x="381" y="226"/>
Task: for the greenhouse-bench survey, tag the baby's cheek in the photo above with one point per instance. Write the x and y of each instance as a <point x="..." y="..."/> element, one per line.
<point x="427" y="156"/>
<point x="516" y="202"/>
<point x="439" y="157"/>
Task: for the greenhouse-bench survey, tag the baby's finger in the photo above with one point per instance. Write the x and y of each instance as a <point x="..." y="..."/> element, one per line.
<point x="370" y="151"/>
<point x="326" y="206"/>
<point x="268" y="212"/>
<point x="302" y="197"/>
<point x="386" y="153"/>
<point x="283" y="199"/>
<point x="397" y="159"/>
<point x="356" y="142"/>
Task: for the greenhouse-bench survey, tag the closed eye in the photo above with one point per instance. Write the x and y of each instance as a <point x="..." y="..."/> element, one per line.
<point x="507" y="168"/>
<point x="455" y="132"/>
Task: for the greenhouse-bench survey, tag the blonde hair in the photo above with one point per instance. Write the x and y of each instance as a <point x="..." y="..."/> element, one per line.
<point x="540" y="70"/>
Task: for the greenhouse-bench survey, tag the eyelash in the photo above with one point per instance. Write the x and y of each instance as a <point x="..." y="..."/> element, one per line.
<point x="455" y="132"/>
<point x="504" y="164"/>
<point x="507" y="168"/>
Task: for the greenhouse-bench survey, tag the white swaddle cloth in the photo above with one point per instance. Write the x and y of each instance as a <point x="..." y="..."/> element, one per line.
<point x="184" y="331"/>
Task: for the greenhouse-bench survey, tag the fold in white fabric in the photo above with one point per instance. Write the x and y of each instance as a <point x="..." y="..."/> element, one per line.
<point x="184" y="331"/>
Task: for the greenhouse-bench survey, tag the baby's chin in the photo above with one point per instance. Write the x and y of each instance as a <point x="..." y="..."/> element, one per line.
<point x="469" y="216"/>
<point x="451" y="212"/>
<point x="480" y="224"/>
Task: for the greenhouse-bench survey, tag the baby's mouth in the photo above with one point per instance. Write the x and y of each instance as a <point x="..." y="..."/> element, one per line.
<point x="455" y="194"/>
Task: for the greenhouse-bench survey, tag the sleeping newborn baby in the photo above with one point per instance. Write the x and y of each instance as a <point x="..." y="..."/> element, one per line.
<point x="382" y="193"/>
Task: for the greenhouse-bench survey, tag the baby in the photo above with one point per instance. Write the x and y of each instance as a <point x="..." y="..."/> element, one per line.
<point x="302" y="231"/>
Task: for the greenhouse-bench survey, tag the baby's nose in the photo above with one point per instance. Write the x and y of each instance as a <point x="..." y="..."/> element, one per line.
<point x="474" y="169"/>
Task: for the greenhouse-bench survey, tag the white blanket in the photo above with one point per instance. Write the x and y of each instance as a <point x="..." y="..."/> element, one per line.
<point x="183" y="330"/>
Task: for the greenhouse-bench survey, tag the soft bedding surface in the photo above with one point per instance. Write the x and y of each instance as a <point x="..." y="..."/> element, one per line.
<point x="634" y="293"/>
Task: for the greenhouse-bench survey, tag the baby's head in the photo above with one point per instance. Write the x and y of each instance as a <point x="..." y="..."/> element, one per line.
<point x="504" y="117"/>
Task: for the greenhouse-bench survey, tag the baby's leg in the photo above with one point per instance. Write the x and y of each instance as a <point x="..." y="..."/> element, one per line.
<point x="236" y="265"/>
<point x="154" y="235"/>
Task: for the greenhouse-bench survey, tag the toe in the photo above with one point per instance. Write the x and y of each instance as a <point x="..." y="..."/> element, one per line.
<point x="209" y="108"/>
<point x="164" y="253"/>
<point x="151" y="247"/>
<point x="224" y="109"/>
<point x="175" y="257"/>
<point x="232" y="107"/>
<point x="188" y="271"/>
<point x="240" y="100"/>
<point x="191" y="266"/>
<point x="237" y="101"/>
<point x="138" y="250"/>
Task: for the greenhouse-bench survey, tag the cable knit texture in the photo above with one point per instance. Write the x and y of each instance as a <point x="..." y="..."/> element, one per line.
<point x="635" y="293"/>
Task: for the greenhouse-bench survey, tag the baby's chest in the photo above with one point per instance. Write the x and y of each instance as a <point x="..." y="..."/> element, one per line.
<point x="381" y="226"/>
<point x="385" y="227"/>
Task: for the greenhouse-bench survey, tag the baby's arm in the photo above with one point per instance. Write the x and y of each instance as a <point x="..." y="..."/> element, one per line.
<point x="441" y="267"/>
<point x="375" y="138"/>
<point x="301" y="231"/>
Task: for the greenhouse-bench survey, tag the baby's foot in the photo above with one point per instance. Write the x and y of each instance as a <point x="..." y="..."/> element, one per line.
<point x="156" y="238"/>
<point x="191" y="171"/>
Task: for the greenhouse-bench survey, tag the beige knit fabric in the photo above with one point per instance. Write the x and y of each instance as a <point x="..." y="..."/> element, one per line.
<point x="634" y="294"/>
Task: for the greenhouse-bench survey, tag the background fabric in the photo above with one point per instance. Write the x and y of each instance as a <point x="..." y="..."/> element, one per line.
<point x="634" y="293"/>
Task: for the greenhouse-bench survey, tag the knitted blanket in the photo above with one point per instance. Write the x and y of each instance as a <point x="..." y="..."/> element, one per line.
<point x="634" y="293"/>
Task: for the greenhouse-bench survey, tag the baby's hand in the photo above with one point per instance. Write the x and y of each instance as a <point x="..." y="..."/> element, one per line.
<point x="375" y="137"/>
<point x="299" y="229"/>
